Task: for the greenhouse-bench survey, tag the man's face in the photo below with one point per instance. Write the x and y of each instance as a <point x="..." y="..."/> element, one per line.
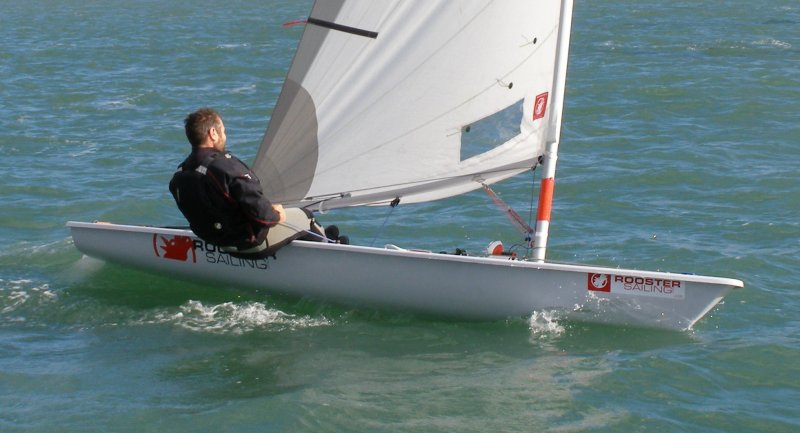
<point x="219" y="142"/>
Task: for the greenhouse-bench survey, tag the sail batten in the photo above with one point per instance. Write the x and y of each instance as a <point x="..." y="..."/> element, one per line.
<point x="342" y="28"/>
<point x="365" y="120"/>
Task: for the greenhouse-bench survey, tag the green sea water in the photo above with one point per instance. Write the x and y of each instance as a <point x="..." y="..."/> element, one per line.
<point x="679" y="152"/>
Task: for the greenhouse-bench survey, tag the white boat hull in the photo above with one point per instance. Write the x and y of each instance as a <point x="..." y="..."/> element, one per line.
<point x="463" y="287"/>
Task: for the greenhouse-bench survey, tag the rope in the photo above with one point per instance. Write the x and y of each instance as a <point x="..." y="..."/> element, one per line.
<point x="301" y="230"/>
<point x="533" y="196"/>
<point x="392" y="205"/>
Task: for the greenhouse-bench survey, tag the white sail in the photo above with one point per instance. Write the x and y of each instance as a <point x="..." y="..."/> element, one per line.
<point x="382" y="92"/>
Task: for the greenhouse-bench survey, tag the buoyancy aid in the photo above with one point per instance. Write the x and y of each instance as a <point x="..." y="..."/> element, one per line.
<point x="212" y="214"/>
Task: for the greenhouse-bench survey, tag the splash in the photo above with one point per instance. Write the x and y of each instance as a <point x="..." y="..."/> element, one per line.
<point x="544" y="323"/>
<point x="236" y="318"/>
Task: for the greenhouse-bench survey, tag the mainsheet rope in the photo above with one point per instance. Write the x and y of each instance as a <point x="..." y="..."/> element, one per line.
<point x="392" y="205"/>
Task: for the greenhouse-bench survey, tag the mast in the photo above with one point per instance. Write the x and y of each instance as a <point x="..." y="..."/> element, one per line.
<point x="554" y="134"/>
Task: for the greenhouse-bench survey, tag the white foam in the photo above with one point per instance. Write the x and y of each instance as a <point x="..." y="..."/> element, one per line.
<point x="232" y="46"/>
<point x="16" y="294"/>
<point x="773" y="43"/>
<point x="235" y="318"/>
<point x="245" y="89"/>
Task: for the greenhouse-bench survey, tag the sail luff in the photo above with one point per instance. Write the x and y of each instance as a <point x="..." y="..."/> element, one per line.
<point x="295" y="106"/>
<point x="547" y="184"/>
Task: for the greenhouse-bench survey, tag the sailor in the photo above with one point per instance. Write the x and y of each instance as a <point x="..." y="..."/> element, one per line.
<point x="218" y="194"/>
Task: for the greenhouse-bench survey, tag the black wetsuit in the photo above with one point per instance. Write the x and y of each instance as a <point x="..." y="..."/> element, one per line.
<point x="225" y="205"/>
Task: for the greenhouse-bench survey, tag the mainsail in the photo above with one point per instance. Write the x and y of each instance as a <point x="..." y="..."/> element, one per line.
<point x="381" y="93"/>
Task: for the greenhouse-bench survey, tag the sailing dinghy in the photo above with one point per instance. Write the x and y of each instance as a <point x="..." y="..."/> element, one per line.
<point x="375" y="109"/>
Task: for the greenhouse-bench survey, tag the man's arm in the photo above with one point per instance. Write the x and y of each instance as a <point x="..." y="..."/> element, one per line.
<point x="245" y="189"/>
<point x="247" y="192"/>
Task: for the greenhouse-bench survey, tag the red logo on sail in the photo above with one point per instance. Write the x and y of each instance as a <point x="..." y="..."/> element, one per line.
<point x="540" y="105"/>
<point x="599" y="282"/>
<point x="175" y="248"/>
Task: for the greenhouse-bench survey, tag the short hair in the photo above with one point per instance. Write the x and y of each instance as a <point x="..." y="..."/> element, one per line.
<point x="198" y="124"/>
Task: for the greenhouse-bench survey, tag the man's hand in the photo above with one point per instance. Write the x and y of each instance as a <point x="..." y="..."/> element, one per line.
<point x="282" y="213"/>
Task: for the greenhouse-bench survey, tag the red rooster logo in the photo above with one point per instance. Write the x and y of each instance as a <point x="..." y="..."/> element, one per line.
<point x="175" y="248"/>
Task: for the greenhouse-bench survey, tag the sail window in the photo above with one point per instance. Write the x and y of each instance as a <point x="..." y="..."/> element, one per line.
<point x="491" y="131"/>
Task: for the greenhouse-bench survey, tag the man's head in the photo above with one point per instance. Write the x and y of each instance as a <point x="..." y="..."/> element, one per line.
<point x="204" y="128"/>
